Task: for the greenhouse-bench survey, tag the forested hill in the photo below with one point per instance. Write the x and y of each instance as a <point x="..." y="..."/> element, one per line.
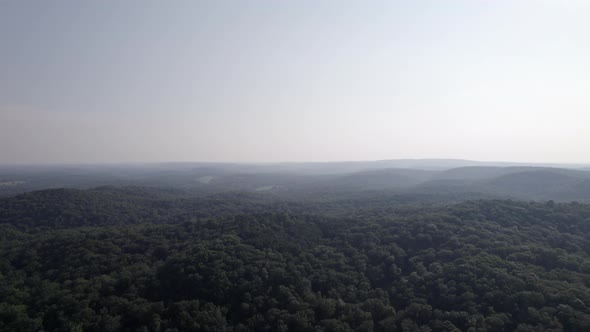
<point x="164" y="261"/>
<point x="111" y="205"/>
<point x="534" y="182"/>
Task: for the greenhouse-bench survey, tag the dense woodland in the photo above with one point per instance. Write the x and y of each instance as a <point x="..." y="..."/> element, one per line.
<point x="146" y="259"/>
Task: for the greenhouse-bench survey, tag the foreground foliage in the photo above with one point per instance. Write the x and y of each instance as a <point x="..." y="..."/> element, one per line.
<point x="173" y="264"/>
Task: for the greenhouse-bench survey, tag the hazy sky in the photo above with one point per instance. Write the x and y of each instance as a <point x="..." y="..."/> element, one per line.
<point x="121" y="81"/>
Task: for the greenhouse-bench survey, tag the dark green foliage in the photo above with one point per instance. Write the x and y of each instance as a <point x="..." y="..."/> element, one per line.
<point x="139" y="259"/>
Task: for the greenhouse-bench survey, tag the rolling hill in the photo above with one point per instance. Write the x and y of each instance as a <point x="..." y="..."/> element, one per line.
<point x="410" y="176"/>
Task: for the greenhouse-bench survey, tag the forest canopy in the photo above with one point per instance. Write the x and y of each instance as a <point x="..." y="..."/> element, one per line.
<point x="144" y="259"/>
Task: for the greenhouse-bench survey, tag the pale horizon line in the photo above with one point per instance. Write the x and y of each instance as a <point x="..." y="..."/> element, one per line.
<point x="291" y="162"/>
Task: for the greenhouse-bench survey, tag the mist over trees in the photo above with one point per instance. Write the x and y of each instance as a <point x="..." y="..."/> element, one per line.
<point x="408" y="177"/>
<point x="217" y="166"/>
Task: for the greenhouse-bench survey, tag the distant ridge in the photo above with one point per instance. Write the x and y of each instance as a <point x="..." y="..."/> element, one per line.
<point x="424" y="163"/>
<point x="422" y="176"/>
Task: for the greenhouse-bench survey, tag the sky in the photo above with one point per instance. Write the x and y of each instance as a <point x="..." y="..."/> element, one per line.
<point x="275" y="81"/>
